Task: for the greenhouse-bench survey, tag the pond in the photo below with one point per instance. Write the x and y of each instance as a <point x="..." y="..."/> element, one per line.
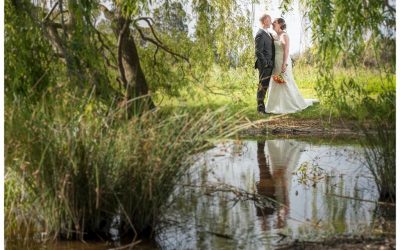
<point x="257" y="194"/>
<point x="261" y="194"/>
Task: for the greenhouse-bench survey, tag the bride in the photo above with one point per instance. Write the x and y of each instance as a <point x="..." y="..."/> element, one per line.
<point x="284" y="98"/>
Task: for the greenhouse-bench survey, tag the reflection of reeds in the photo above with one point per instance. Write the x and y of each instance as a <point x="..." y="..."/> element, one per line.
<point x="68" y="173"/>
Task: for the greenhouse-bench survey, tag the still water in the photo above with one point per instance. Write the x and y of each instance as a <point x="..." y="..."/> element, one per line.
<point x="259" y="194"/>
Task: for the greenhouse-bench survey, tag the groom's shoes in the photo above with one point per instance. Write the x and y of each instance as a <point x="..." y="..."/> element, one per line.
<point x="261" y="109"/>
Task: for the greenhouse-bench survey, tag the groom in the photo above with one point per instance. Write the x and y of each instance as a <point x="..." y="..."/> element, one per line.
<point x="265" y="55"/>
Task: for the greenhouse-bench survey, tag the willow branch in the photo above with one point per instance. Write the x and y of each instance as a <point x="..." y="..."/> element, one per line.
<point x="154" y="56"/>
<point x="102" y="42"/>
<point x="51" y="11"/>
<point x="108" y="63"/>
<point x="58" y="13"/>
<point x="392" y="10"/>
<point x="149" y="39"/>
<point x="62" y="19"/>
<point x="147" y="20"/>
<point x="107" y="13"/>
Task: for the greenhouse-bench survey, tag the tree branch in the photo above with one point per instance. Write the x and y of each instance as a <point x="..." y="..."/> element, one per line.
<point x="54" y="25"/>
<point x="392" y="10"/>
<point x="147" y="20"/>
<point x="149" y="39"/>
<point x="62" y="20"/>
<point x="51" y="11"/>
<point x="108" y="61"/>
<point x="103" y="44"/>
<point x="56" y="14"/>
<point x="154" y="56"/>
<point x="107" y="13"/>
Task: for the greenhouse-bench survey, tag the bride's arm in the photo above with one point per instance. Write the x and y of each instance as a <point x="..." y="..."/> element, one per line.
<point x="285" y="44"/>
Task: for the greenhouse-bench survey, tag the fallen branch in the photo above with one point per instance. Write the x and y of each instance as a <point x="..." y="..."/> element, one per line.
<point x="225" y="236"/>
<point x="128" y="246"/>
<point x="240" y="194"/>
<point x="359" y="199"/>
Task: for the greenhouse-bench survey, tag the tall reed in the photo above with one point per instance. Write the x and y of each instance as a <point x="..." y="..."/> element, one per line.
<point x="380" y="143"/>
<point x="375" y="114"/>
<point x="71" y="167"/>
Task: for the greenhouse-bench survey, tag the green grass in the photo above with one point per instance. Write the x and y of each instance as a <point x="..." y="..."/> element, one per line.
<point x="236" y="89"/>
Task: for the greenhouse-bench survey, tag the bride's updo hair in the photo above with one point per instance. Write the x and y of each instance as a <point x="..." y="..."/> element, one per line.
<point x="281" y="23"/>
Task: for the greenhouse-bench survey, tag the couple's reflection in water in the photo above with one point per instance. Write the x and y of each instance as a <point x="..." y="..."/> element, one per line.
<point x="276" y="161"/>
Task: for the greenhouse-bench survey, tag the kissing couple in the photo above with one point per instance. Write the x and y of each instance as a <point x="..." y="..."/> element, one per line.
<point x="275" y="70"/>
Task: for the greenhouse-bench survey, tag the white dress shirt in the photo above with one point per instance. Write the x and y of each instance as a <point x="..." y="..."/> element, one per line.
<point x="269" y="34"/>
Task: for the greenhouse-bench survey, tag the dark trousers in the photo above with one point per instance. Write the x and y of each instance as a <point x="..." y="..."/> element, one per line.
<point x="263" y="83"/>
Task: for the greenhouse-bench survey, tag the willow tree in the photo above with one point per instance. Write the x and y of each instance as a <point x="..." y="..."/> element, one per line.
<point x="107" y="51"/>
<point x="347" y="32"/>
<point x="349" y="29"/>
<point x="123" y="50"/>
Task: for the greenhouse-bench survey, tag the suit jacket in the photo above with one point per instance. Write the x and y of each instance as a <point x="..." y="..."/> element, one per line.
<point x="265" y="50"/>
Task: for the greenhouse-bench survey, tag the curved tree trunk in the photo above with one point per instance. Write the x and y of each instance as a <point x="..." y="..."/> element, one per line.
<point x="136" y="98"/>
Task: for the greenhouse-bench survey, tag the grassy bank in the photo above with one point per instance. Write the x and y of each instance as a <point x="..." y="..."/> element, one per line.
<point x="236" y="89"/>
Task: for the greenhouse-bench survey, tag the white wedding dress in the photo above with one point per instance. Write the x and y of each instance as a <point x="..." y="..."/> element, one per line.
<point x="284" y="98"/>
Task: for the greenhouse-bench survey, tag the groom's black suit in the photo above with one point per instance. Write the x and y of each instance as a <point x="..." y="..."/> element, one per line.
<point x="265" y="54"/>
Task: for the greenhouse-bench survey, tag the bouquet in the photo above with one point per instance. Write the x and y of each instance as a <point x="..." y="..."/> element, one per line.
<point x="279" y="78"/>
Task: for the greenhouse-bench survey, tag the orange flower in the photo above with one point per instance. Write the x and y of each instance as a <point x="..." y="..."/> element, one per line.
<point x="279" y="79"/>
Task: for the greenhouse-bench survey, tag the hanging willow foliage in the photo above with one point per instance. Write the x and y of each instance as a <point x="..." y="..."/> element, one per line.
<point x="345" y="32"/>
<point x="354" y="34"/>
<point x="122" y="49"/>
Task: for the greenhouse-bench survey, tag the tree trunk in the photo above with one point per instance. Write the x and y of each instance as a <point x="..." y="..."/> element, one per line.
<point x="59" y="34"/>
<point x="137" y="97"/>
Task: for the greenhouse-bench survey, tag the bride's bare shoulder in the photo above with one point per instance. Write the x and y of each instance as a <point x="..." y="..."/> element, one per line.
<point x="284" y="36"/>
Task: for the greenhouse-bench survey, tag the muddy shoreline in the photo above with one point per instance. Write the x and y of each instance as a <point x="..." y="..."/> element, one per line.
<point x="283" y="125"/>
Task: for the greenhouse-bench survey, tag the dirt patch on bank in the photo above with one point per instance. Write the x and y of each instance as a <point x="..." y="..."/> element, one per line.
<point x="286" y="125"/>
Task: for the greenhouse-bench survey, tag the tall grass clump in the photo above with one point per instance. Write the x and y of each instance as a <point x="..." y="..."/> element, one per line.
<point x="71" y="167"/>
<point x="380" y="144"/>
<point x="375" y="115"/>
